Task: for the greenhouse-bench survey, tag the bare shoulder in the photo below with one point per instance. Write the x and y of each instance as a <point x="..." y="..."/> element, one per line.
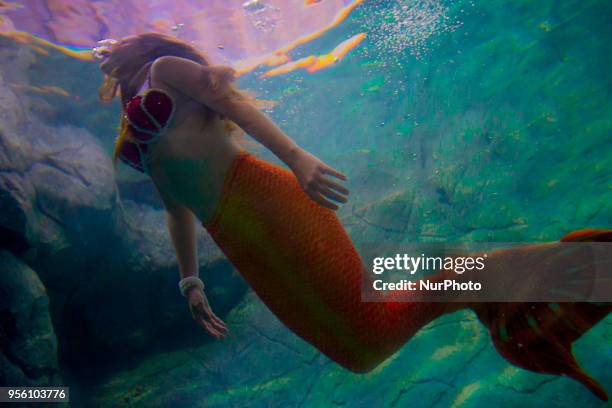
<point x="171" y="69"/>
<point x="204" y="83"/>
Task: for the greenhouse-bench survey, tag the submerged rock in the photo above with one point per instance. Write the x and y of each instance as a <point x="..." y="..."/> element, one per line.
<point x="28" y="345"/>
<point x="53" y="180"/>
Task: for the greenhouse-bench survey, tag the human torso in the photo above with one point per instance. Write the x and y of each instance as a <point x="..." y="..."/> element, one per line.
<point x="188" y="153"/>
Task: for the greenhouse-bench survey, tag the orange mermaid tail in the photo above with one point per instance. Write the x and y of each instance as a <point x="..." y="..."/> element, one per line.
<point x="539" y="336"/>
<point x="299" y="260"/>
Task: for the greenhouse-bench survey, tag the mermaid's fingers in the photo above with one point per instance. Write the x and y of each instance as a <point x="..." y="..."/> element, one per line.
<point x="203" y="323"/>
<point x="318" y="198"/>
<point x="332" y="184"/>
<point x="222" y="331"/>
<point x="208" y="327"/>
<point x="213" y="319"/>
<point x="220" y="322"/>
<point x="214" y="331"/>
<point x="217" y="323"/>
<point x="333" y="172"/>
<point x="206" y="324"/>
<point x="334" y="196"/>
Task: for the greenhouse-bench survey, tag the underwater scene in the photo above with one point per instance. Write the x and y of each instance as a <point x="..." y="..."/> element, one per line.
<point x="455" y="121"/>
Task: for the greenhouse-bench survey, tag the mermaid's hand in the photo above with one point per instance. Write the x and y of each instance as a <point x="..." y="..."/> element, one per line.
<point x="311" y="174"/>
<point x="203" y="314"/>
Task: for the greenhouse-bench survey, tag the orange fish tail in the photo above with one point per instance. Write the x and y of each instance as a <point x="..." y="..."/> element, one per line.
<point x="299" y="260"/>
<point x="539" y="336"/>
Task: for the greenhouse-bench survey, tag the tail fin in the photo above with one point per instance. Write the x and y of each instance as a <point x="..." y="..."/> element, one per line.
<point x="589" y="235"/>
<point x="539" y="336"/>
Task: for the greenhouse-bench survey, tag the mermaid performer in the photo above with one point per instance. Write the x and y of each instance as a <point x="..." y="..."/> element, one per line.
<point x="278" y="227"/>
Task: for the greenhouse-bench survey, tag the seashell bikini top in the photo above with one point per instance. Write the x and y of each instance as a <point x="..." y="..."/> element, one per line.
<point x="148" y="116"/>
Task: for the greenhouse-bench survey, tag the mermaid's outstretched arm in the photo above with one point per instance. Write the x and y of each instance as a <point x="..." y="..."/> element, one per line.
<point x="182" y="227"/>
<point x="211" y="86"/>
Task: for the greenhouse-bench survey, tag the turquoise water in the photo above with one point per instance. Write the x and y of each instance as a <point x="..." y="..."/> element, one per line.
<point x="506" y="115"/>
<point x="458" y="121"/>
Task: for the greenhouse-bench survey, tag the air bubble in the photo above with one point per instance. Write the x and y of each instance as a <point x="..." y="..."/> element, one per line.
<point x="263" y="16"/>
<point x="408" y="25"/>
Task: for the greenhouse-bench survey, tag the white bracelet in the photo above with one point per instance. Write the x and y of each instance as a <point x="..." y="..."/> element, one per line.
<point x="189" y="282"/>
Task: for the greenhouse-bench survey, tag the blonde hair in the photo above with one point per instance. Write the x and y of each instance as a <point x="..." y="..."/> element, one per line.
<point x="134" y="53"/>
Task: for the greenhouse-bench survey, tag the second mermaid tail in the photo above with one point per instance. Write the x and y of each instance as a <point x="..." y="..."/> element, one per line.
<point x="299" y="260"/>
